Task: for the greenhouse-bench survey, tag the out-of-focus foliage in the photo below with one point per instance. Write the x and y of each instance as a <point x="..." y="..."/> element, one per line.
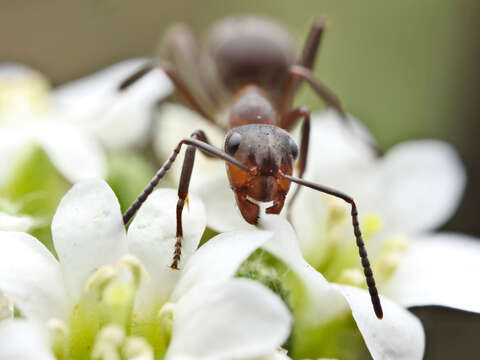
<point x="128" y="174"/>
<point x="37" y="187"/>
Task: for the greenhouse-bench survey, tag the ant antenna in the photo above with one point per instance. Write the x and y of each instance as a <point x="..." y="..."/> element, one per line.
<point x="194" y="142"/>
<point x="367" y="270"/>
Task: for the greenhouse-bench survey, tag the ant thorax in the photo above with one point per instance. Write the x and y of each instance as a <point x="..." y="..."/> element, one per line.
<point x="252" y="107"/>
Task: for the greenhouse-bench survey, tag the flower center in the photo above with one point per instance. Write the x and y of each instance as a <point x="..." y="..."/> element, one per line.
<point x="22" y="95"/>
<point x="334" y="252"/>
<point x="105" y="324"/>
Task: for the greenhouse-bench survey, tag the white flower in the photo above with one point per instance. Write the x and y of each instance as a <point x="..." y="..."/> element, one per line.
<point x="22" y="340"/>
<point x="411" y="190"/>
<point x="118" y="119"/>
<point x="402" y="197"/>
<point x="27" y="117"/>
<point x="68" y="121"/>
<point x="16" y="222"/>
<point x="398" y="336"/>
<point x="84" y="299"/>
<point x="6" y="308"/>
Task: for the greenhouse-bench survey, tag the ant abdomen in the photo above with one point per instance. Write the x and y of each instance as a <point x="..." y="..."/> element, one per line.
<point x="251" y="50"/>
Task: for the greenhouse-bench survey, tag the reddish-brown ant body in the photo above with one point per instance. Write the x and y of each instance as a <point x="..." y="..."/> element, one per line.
<point x="252" y="61"/>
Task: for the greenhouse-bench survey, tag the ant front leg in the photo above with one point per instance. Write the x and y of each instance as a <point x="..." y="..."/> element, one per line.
<point x="176" y="80"/>
<point x="182" y="197"/>
<point x="183" y="186"/>
<point x="299" y="72"/>
<point x="198" y="140"/>
<point x="180" y="47"/>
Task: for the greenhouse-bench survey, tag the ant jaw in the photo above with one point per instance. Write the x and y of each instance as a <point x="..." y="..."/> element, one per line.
<point x="254" y="171"/>
<point x="258" y="202"/>
<point x="264" y="171"/>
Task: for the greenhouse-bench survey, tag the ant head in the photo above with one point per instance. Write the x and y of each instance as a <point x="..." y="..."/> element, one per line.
<point x="268" y="151"/>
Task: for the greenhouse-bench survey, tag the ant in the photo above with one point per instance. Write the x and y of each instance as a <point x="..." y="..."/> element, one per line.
<point x="251" y="60"/>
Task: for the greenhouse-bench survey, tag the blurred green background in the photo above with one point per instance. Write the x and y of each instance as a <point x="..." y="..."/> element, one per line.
<point x="408" y="69"/>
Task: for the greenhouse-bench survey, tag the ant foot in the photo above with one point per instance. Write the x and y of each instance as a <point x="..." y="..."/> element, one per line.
<point x="177" y="253"/>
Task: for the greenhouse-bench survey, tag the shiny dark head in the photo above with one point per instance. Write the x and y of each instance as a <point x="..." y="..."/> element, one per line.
<point x="269" y="152"/>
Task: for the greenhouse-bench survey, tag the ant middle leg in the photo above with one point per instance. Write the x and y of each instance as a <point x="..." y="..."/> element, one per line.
<point x="298" y="72"/>
<point x="179" y="46"/>
<point x="331" y="100"/>
<point x="176" y="79"/>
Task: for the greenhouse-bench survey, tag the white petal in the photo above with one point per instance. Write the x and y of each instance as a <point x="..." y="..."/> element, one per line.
<point x="322" y="295"/>
<point x="21" y="340"/>
<point x="421" y="185"/>
<point x="209" y="180"/>
<point x="219" y="199"/>
<point x="88" y="232"/>
<point x="219" y="258"/>
<point x="309" y="214"/>
<point x="6" y="308"/>
<point x="439" y="269"/>
<point x="280" y="354"/>
<point x="399" y="335"/>
<point x="327" y="300"/>
<point x="12" y="142"/>
<point x="337" y="148"/>
<point x="174" y="122"/>
<point x="12" y="70"/>
<point x="24" y="92"/>
<point x="119" y="119"/>
<point x="152" y="236"/>
<point x="31" y="277"/>
<point x="74" y="153"/>
<point x="101" y="81"/>
<point x="416" y="186"/>
<point x="15" y="223"/>
<point x="237" y="319"/>
<point x="142" y="357"/>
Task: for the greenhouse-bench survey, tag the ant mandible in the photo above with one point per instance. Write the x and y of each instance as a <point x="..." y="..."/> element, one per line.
<point x="253" y="60"/>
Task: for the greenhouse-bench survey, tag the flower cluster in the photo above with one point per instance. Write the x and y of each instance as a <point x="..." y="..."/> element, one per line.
<point x="277" y="291"/>
<point x="52" y="138"/>
<point x="113" y="291"/>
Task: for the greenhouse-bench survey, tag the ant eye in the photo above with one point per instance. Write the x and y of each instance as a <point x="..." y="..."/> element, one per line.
<point x="293" y="148"/>
<point x="232" y="143"/>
